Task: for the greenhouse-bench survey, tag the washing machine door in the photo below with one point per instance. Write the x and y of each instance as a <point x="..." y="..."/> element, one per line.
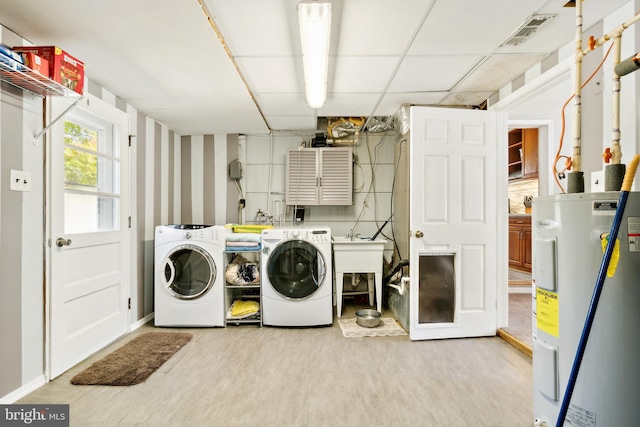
<point x="296" y="269"/>
<point x="188" y="272"/>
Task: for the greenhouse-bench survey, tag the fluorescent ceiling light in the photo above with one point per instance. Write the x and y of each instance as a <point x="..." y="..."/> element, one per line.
<point x="315" y="27"/>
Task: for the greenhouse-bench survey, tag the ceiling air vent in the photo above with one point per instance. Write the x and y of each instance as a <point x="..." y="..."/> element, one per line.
<point x="530" y="26"/>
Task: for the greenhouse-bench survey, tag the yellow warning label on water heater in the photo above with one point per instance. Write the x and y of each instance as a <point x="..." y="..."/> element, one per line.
<point x="547" y="313"/>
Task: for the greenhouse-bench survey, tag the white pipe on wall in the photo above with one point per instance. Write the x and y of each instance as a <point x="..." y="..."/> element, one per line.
<point x="577" y="111"/>
<point x="616" y="151"/>
<point x="269" y="207"/>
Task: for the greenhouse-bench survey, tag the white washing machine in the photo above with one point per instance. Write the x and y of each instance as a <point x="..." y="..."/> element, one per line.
<point x="189" y="276"/>
<point x="297" y="285"/>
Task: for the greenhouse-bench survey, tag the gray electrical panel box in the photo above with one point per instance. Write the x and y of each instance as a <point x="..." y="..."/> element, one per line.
<point x="235" y="170"/>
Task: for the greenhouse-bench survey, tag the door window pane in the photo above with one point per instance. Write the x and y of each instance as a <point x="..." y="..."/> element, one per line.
<point x="91" y="177"/>
<point x="87" y="213"/>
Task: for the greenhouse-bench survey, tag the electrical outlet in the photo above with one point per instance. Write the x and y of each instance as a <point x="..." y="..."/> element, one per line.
<point x="20" y="180"/>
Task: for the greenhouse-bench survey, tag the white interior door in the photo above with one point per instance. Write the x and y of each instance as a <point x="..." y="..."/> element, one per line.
<point x="89" y="230"/>
<point x="453" y="219"/>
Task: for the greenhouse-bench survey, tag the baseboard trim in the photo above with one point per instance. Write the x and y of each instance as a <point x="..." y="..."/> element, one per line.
<point x="140" y="323"/>
<point x="24" y="390"/>
<point x="520" y="289"/>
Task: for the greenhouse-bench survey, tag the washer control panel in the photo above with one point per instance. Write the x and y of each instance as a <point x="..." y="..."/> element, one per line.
<point x="319" y="236"/>
<point x="310" y="235"/>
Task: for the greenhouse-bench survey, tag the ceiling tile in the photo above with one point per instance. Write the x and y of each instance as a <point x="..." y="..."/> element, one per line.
<point x="392" y="102"/>
<point x="466" y="98"/>
<point x="257" y="28"/>
<point x="425" y="73"/>
<point x="378" y="27"/>
<point x="354" y="73"/>
<point x="271" y="74"/>
<point x="292" y="122"/>
<point x="470" y="27"/>
<point x="349" y="104"/>
<point x="227" y="116"/>
<point x="497" y="71"/>
<point x="283" y="104"/>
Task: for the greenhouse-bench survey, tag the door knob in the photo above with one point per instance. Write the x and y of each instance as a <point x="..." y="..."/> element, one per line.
<point x="419" y="234"/>
<point x="60" y="242"/>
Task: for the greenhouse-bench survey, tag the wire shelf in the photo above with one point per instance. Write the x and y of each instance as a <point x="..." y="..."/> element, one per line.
<point x="25" y="78"/>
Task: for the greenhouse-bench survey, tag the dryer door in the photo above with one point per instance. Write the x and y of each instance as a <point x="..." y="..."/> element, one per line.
<point x="296" y="269"/>
<point x="188" y="272"/>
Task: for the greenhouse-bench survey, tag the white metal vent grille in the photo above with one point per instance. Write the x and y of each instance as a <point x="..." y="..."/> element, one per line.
<point x="524" y="31"/>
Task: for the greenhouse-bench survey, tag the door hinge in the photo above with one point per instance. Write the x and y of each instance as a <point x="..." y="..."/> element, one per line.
<point x="129" y="303"/>
<point x="129" y="222"/>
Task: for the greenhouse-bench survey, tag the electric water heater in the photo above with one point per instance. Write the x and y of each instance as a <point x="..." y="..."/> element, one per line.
<point x="567" y="255"/>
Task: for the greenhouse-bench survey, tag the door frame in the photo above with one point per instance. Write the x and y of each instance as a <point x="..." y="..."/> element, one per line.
<point x="530" y="89"/>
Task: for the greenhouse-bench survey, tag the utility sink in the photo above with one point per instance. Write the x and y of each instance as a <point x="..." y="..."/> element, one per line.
<point x="358" y="256"/>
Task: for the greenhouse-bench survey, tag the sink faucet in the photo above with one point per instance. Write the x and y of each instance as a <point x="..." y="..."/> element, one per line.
<point x="350" y="235"/>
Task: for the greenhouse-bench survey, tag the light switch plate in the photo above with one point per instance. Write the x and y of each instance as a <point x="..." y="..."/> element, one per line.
<point x="20" y="180"/>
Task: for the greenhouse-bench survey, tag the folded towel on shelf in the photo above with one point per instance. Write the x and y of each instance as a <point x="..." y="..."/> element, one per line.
<point x="243" y="237"/>
<point x="245" y="244"/>
<point x="241" y="248"/>
<point x="242" y="308"/>
<point x="257" y="229"/>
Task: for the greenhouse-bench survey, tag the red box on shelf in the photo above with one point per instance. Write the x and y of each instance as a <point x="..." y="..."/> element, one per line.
<point x="36" y="63"/>
<point x="63" y="68"/>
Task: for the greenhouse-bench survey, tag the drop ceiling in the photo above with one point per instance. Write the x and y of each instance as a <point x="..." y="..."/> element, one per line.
<point x="243" y="74"/>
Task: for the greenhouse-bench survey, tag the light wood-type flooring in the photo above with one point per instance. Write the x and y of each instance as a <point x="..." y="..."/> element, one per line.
<point x="251" y="376"/>
<point x="517" y="277"/>
<point x="519" y="330"/>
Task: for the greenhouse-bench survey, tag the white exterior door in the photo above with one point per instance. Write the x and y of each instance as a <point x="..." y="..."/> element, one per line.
<point x="88" y="231"/>
<point x="455" y="239"/>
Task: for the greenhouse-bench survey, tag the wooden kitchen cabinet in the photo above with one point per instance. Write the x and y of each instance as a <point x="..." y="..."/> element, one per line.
<point x="520" y="256"/>
<point x="523" y="153"/>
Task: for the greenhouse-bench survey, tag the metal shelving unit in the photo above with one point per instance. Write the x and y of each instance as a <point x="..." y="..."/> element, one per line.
<point x="248" y="292"/>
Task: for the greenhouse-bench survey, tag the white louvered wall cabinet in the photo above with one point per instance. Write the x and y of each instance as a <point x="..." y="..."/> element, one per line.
<point x="319" y="176"/>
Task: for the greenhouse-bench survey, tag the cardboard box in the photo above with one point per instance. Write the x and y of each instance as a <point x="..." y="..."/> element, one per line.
<point x="63" y="68"/>
<point x="36" y="63"/>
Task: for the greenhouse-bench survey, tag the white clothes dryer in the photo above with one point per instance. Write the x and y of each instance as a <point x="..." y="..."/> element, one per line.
<point x="189" y="276"/>
<point x="297" y="285"/>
